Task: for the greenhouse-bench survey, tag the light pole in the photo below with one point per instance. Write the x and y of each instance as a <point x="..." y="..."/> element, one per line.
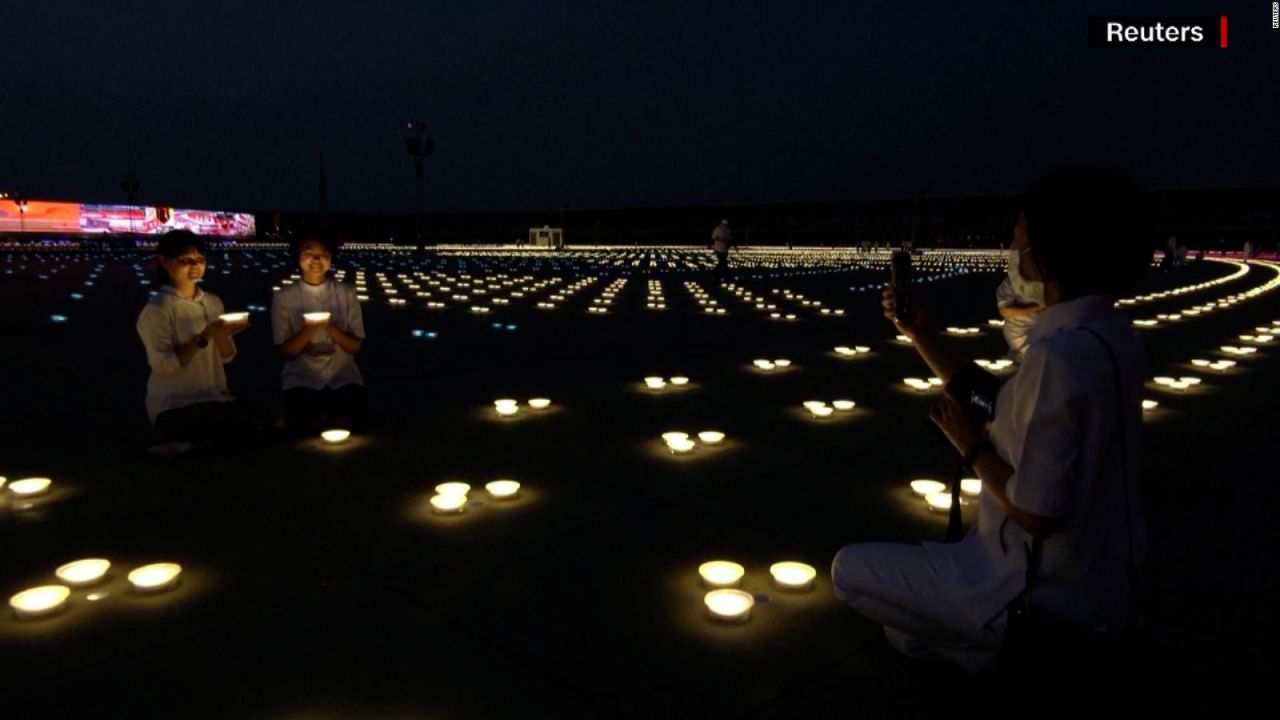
<point x="419" y="147"/>
<point x="21" y="202"/>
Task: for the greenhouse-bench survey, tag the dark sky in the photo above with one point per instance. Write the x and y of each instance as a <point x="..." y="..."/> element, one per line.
<point x="225" y="105"/>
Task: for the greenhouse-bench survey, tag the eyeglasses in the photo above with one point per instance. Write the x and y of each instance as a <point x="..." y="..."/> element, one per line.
<point x="190" y="261"/>
<point x="317" y="256"/>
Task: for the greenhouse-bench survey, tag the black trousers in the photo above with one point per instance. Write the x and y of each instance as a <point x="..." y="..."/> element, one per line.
<point x="722" y="265"/>
<point x="218" y="423"/>
<point x="308" y="411"/>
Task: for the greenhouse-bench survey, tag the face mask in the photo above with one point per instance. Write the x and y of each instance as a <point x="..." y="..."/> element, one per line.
<point x="1032" y="290"/>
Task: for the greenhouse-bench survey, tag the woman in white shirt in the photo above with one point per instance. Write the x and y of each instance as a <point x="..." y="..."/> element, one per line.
<point x="187" y="344"/>
<point x="1059" y="461"/>
<point x="318" y="327"/>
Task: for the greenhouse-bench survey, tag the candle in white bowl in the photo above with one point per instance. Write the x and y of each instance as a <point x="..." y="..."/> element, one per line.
<point x="681" y="446"/>
<point x="539" y="403"/>
<point x="39" y="601"/>
<point x="453" y="488"/>
<point x="669" y="437"/>
<point x="970" y="486"/>
<point x="811" y="404"/>
<point x="924" y="487"/>
<point x="711" y="437"/>
<point x="1150" y="404"/>
<point x="448" y="504"/>
<point x="763" y="364"/>
<point x="155" y="577"/>
<point x="782" y="362"/>
<point x="679" y="380"/>
<point x="502" y="489"/>
<point x="654" y="383"/>
<point x="313" y="318"/>
<point x="729" y="605"/>
<point x="30" y="487"/>
<point x="793" y="575"/>
<point x="335" y="436"/>
<point x="234" y="318"/>
<point x="939" y="501"/>
<point x="843" y="405"/>
<point x="83" y="572"/>
<point x="721" y="573"/>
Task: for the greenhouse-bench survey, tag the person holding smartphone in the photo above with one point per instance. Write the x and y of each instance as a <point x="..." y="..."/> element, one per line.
<point x="1058" y="523"/>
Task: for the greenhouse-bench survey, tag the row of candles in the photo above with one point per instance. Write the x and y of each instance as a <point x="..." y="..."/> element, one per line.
<point x="45" y="600"/>
<point x="451" y="497"/>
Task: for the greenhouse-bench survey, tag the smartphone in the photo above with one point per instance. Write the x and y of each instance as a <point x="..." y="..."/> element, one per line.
<point x="900" y="276"/>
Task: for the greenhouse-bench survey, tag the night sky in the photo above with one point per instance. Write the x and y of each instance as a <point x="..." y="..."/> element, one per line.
<point x="602" y="103"/>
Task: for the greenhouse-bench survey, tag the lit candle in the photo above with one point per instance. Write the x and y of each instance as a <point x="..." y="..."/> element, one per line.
<point x="1163" y="380"/>
<point x="781" y="362"/>
<point x="448" y="504"/>
<point x="3" y="480"/>
<point x="821" y="411"/>
<point x="502" y="489"/>
<point x="843" y="405"/>
<point x="970" y="486"/>
<point x="925" y="487"/>
<point x="453" y="488"/>
<point x="729" y="605"/>
<point x="721" y="573"/>
<point x="811" y="404"/>
<point x="679" y="380"/>
<point x="315" y="317"/>
<point x="669" y="437"/>
<point x="938" y="501"/>
<point x="155" y="577"/>
<point x="1150" y="404"/>
<point x="83" y="572"/>
<point x="861" y="348"/>
<point x="335" y="437"/>
<point x="39" y="601"/>
<point x="1197" y="362"/>
<point x="234" y="318"/>
<point x="30" y="487"/>
<point x="763" y="364"/>
<point x="793" y="575"/>
<point x="681" y="446"/>
<point x="540" y="403"/>
<point x="711" y="437"/>
<point x="654" y="383"/>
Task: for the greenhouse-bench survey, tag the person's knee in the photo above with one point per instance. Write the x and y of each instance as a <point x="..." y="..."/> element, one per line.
<point x="846" y="573"/>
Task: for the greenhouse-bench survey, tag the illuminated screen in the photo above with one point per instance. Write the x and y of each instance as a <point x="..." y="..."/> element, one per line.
<point x="36" y="216"/>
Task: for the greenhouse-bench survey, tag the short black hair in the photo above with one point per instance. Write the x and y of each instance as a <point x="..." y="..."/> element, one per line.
<point x="331" y="244"/>
<point x="1090" y="228"/>
<point x="174" y="243"/>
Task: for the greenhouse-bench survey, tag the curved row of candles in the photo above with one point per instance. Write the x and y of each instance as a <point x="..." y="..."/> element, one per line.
<point x="451" y="497"/>
<point x="45" y="600"/>
<point x="726" y="602"/>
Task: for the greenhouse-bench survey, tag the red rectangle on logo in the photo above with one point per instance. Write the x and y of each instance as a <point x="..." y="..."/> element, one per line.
<point x="1222" y="31"/>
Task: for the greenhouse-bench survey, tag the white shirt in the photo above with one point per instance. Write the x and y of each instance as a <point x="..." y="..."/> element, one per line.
<point x="1015" y="328"/>
<point x="1056" y="425"/>
<point x="322" y="363"/>
<point x="167" y="321"/>
<point x="721" y="237"/>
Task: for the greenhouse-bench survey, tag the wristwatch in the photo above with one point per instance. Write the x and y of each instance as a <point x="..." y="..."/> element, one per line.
<point x="202" y="342"/>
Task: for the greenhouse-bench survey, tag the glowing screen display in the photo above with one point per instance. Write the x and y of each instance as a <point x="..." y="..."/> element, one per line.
<point x="36" y="216"/>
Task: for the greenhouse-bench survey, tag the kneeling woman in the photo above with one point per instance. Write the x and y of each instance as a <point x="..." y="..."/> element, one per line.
<point x="318" y="327"/>
<point x="187" y="344"/>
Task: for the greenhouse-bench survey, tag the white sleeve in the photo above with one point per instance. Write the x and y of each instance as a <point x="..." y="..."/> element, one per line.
<point x="156" y="330"/>
<point x="1005" y="296"/>
<point x="1044" y="472"/>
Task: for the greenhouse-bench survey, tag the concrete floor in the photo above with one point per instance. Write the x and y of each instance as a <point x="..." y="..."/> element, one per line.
<point x="317" y="582"/>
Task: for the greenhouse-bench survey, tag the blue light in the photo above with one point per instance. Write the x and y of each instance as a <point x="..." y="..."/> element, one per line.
<point x="417" y="333"/>
<point x="77" y="296"/>
<point x="433" y="335"/>
<point x="58" y="318"/>
<point x="511" y="327"/>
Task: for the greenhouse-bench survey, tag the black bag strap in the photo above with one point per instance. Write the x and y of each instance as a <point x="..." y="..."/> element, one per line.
<point x="1131" y="568"/>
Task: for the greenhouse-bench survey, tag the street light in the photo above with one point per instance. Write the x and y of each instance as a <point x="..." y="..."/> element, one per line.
<point x="419" y="147"/>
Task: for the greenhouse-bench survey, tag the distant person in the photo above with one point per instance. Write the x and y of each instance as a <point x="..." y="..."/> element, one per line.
<point x="323" y="387"/>
<point x="1019" y="302"/>
<point x="1059" y="524"/>
<point x="187" y="344"/>
<point x="721" y="241"/>
<point x="1248" y="250"/>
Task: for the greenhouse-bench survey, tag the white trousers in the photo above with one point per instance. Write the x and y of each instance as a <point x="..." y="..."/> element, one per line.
<point x="897" y="586"/>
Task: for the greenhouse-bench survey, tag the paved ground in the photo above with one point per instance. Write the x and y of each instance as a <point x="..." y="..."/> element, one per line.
<point x="317" y="582"/>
